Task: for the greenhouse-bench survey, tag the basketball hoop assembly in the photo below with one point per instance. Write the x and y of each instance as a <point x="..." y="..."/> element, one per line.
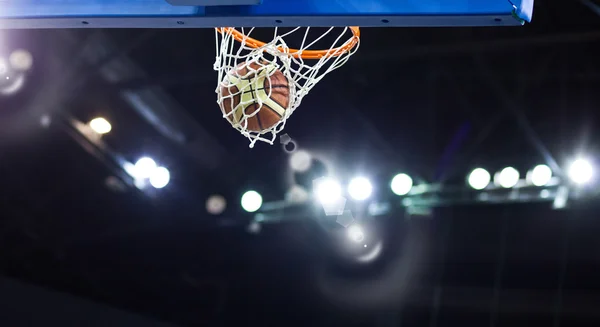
<point x="260" y="84"/>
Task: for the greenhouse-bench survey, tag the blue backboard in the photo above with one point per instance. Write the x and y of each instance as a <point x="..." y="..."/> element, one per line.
<point x="182" y="13"/>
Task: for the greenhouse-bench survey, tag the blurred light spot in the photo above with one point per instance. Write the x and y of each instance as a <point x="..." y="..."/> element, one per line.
<point x="45" y="121"/>
<point x="327" y="190"/>
<point x="401" y="184"/>
<point x="216" y="204"/>
<point x="296" y="194"/>
<point x="100" y="125"/>
<point x="300" y="161"/>
<point x="360" y="188"/>
<point x="581" y="171"/>
<point x="21" y="60"/>
<point x="479" y="179"/>
<point x="507" y="177"/>
<point x="356" y="233"/>
<point x="540" y="175"/>
<point x="160" y="177"/>
<point x="251" y="201"/>
<point x="144" y="167"/>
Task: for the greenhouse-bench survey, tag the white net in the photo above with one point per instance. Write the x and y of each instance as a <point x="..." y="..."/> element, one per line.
<point x="251" y="73"/>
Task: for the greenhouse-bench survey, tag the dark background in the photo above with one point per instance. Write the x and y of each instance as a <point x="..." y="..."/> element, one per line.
<point x="395" y="106"/>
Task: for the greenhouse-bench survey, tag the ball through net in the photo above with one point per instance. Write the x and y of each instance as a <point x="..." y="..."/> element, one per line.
<point x="246" y="65"/>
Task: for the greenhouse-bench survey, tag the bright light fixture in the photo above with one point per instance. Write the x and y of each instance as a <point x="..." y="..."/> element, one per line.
<point x="327" y="190"/>
<point x="581" y="171"/>
<point x="540" y="175"/>
<point x="100" y="125"/>
<point x="360" y="188"/>
<point x="251" y="201"/>
<point x="144" y="167"/>
<point x="160" y="177"/>
<point x="479" y="179"/>
<point x="507" y="177"/>
<point x="401" y="184"/>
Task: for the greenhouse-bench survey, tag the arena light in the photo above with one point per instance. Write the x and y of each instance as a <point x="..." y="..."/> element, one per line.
<point x="479" y="179"/>
<point x="327" y="190"/>
<point x="100" y="125"/>
<point x="355" y="233"/>
<point x="507" y="177"/>
<point x="160" y="177"/>
<point x="401" y="184"/>
<point x="360" y="188"/>
<point x="581" y="171"/>
<point x="540" y="175"/>
<point x="251" y="201"/>
<point x="144" y="167"/>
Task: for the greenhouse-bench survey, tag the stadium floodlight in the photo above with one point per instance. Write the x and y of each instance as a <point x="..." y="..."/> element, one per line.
<point x="540" y="175"/>
<point x="401" y="184"/>
<point x="327" y="190"/>
<point x="100" y="125"/>
<point x="360" y="188"/>
<point x="144" y="167"/>
<point x="581" y="171"/>
<point x="479" y="179"/>
<point x="251" y="201"/>
<point x="160" y="177"/>
<point x="507" y="177"/>
<point x="356" y="233"/>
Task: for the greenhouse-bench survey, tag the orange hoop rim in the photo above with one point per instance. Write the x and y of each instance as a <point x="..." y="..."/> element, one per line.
<point x="304" y="54"/>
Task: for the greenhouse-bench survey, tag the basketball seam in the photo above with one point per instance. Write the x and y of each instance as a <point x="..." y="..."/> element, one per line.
<point x="257" y="114"/>
<point x="274" y="100"/>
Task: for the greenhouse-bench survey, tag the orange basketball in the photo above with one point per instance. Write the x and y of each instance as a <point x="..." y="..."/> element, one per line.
<point x="252" y="87"/>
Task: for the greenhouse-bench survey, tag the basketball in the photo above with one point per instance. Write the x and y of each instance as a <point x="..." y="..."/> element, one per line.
<point x="254" y="87"/>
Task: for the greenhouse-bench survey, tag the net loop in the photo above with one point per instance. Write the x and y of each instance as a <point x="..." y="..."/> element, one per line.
<point x="238" y="50"/>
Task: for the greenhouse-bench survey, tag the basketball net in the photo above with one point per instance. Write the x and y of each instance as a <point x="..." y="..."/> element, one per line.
<point x="304" y="67"/>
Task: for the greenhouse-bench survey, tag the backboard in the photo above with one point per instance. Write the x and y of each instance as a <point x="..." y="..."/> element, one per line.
<point x="260" y="13"/>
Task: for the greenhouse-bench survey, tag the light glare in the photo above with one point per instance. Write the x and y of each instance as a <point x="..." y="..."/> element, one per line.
<point x="160" y="177"/>
<point x="144" y="167"/>
<point x="401" y="184"/>
<point x="541" y="175"/>
<point x="355" y="233"/>
<point x="300" y="161"/>
<point x="581" y="171"/>
<point x="100" y="125"/>
<point x="328" y="191"/>
<point x="507" y="177"/>
<point x="479" y="179"/>
<point x="360" y="188"/>
<point x="251" y="201"/>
